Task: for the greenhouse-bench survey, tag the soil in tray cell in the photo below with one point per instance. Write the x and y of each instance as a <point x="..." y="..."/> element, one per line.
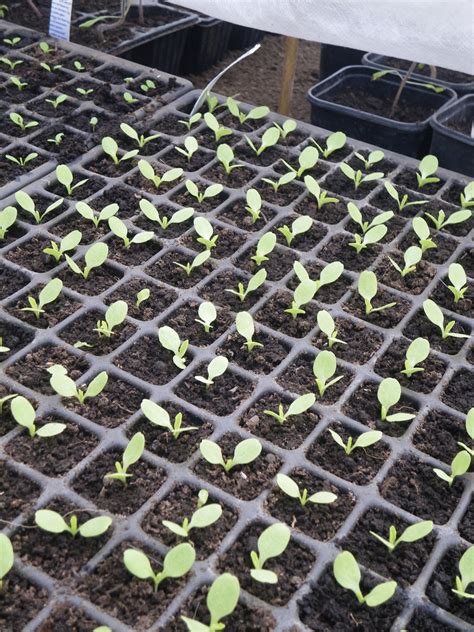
<point x="184" y="321"/>
<point x="20" y="602"/>
<point x="227" y="244"/>
<point x="136" y="180"/>
<point x="161" y="441"/>
<point x="7" y="422"/>
<point x="445" y="246"/>
<point x="284" y="196"/>
<point x="42" y="203"/>
<point x="127" y="199"/>
<point x="92" y="185"/>
<point x="31" y="256"/>
<point x="443" y="297"/>
<point x="307" y="241"/>
<point x="330" y="213"/>
<point x="291" y="567"/>
<point x="387" y="318"/>
<point x="14" y="337"/>
<point x="238" y="178"/>
<point x="73" y="221"/>
<point x="359" y="467"/>
<point x="329" y="294"/>
<point x="174" y="159"/>
<point x="267" y="158"/>
<point x="17" y="493"/>
<point x="420" y="326"/>
<point x="264" y="359"/>
<point x="273" y="314"/>
<point x="318" y="171"/>
<point x="439" y="435"/>
<point x="385" y="165"/>
<point x="135" y="254"/>
<point x="234" y="213"/>
<point x="166" y="269"/>
<point x="359" y="344"/>
<point x="66" y="618"/>
<point x="280" y="262"/>
<point x="11" y="281"/>
<point x="216" y="291"/>
<point x="335" y="156"/>
<point x="394" y="226"/>
<point x="459" y="393"/>
<point x="83" y="329"/>
<point x="459" y="230"/>
<point x="160" y="298"/>
<point x="106" y="167"/>
<point x="166" y="211"/>
<point x="181" y="503"/>
<point x="339" y="249"/>
<point x="423" y="621"/>
<point x="320" y="521"/>
<point x="385" y="202"/>
<point x="59" y="555"/>
<point x="245" y="482"/>
<point x="53" y="314"/>
<point x="414" y="282"/>
<point x="466" y="524"/>
<point x="407" y="178"/>
<point x="336" y="182"/>
<point x="289" y="434"/>
<point x="185" y="199"/>
<point x="170" y="124"/>
<point x="99" y="279"/>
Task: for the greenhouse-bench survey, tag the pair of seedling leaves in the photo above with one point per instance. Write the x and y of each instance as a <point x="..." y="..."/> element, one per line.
<point x="307" y="288"/>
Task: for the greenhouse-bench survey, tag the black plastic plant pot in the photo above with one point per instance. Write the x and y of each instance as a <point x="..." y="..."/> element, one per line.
<point x="460" y="82"/>
<point x="453" y="139"/>
<point x="333" y="58"/>
<point x="352" y="101"/>
<point x="206" y="44"/>
<point x="243" y="37"/>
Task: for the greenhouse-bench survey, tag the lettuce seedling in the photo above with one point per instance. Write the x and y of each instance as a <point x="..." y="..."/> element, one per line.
<point x="120" y="230"/>
<point x="422" y="231"/>
<point x="190" y="147"/>
<point x="357" y="177"/>
<point x="459" y="466"/>
<point x="244" y="453"/>
<point x="93" y="122"/>
<point x="306" y="160"/>
<point x="24" y="414"/>
<point x="245" y="326"/>
<point x="22" y="161"/>
<point x="153" y="215"/>
<point x="458" y="278"/>
<point x="218" y="130"/>
<point x="203" y="517"/>
<point x="18" y="83"/>
<point x="467" y="196"/>
<point x="140" y="139"/>
<point x="288" y="126"/>
<point x="254" y="283"/>
<point x="372" y="159"/>
<point x="47" y="295"/>
<point x="216" y="368"/>
<point x="27" y="204"/>
<point x="209" y="192"/>
<point x="221" y="601"/>
<point x="469" y="430"/>
<point x="17" y="119"/>
<point x="142" y="296"/>
<point x="356" y="217"/>
<point x="9" y="41"/>
<point x="7" y="219"/>
<point x="94" y="257"/>
<point x="265" y="246"/>
<point x="53" y="522"/>
<point x="270" y="138"/>
<point x="68" y="242"/>
<point x="307" y="288"/>
<point x="63" y="385"/>
<point x="388" y="393"/>
<point x="435" y="315"/>
<point x="372" y="236"/>
<point x="78" y="66"/>
<point x="198" y="261"/>
<point x="65" y="177"/>
<point x="170" y="340"/>
<point x="411" y="258"/>
<point x="253" y="115"/>
<point x="158" y="416"/>
<point x="441" y="221"/>
<point x="225" y="155"/>
<point x="364" y="440"/>
<point x="402" y="202"/>
<point x="6" y="398"/>
<point x="324" y="367"/>
<point x="129" y="98"/>
<point x="254" y="204"/>
<point x="466" y="575"/>
<point x="148" y="173"/>
<point x="299" y="226"/>
<point x="178" y="561"/>
<point x="89" y="214"/>
<point x="282" y="180"/>
<point x="290" y="487"/>
<point x="347" y="574"/>
<point x="417" y="352"/>
<point x="61" y="98"/>
<point x="322" y="197"/>
<point x="413" y="533"/>
<point x="333" y="142"/>
<point x="207" y="315"/>
<point x="11" y="64"/>
<point x="84" y="92"/>
<point x="367" y="288"/>
<point x="297" y="407"/>
<point x="6" y="557"/>
<point x="114" y="316"/>
<point x="3" y="349"/>
<point x="205" y="230"/>
<point x="327" y="326"/>
<point x="192" y="120"/>
<point x="426" y="170"/>
<point x="110" y="147"/>
<point x="57" y="140"/>
<point x="272" y="542"/>
<point x="131" y="455"/>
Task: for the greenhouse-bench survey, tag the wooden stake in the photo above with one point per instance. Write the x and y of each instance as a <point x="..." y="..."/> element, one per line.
<point x="288" y="75"/>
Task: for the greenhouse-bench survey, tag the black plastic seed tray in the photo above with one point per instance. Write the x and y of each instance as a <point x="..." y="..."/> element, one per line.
<point x="391" y="483"/>
<point x="103" y="81"/>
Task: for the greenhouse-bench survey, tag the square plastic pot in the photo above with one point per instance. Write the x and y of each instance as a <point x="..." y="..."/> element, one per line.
<point x="411" y="139"/>
<point x="333" y="58"/>
<point x="454" y="149"/>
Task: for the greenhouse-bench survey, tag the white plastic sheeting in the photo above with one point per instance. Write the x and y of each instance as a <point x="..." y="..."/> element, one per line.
<point x="436" y="32"/>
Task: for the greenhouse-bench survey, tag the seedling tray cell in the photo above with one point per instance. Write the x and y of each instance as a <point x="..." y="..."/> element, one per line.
<point x="390" y="483"/>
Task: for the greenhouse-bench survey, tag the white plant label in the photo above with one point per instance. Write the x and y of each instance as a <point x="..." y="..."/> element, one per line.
<point x="60" y="19"/>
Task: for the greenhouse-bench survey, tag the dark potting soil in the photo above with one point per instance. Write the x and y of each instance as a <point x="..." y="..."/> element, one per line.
<point x="99" y="279"/>
<point x="30" y="255"/>
<point x="439" y="435"/>
<point x="289" y="434"/>
<point x="90" y="232"/>
<point x="462" y="125"/>
<point x="423" y="621"/>
<point x="339" y="249"/>
<point x="71" y="146"/>
<point x="165" y="269"/>
<point x="304" y="242"/>
<point x="386" y="318"/>
<point x="136" y="254"/>
<point x="459" y="393"/>
<point x="183" y="198"/>
<point x="338" y="183"/>
<point x="19" y="601"/>
<point x="65" y="618"/>
<point x="414" y="282"/>
<point x="445" y="74"/>
<point x="175" y="159"/>
<point x="92" y="185"/>
<point x="170" y="232"/>
<point x="10" y="170"/>
<point x="82" y="329"/>
<point x="244" y="482"/>
<point x="267" y="158"/>
<point x="216" y="290"/>
<point x="361" y="343"/>
<point x="466" y="526"/>
<point x="181" y="503"/>
<point x="407" y="178"/>
<point x="227" y="243"/>
<point x="330" y="293"/>
<point x="263" y="359"/>
<point x="443" y="297"/>
<point x="183" y="320"/>
<point x="160" y="298"/>
<point x="284" y="196"/>
<point x="385" y="165"/>
<point x="459" y="230"/>
<point x="238" y="178"/>
<point x="17" y="494"/>
<point x="359" y="467"/>
<point x="15" y="337"/>
<point x="445" y="246"/>
<point x="148" y="360"/>
<point x="319" y="521"/>
<point x="420" y="326"/>
<point x="236" y="215"/>
<point x="383" y="201"/>
<point x="273" y="315"/>
<point x="280" y="262"/>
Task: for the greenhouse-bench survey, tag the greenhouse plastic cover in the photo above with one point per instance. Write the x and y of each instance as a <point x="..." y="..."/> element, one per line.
<point x="436" y="32"/>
